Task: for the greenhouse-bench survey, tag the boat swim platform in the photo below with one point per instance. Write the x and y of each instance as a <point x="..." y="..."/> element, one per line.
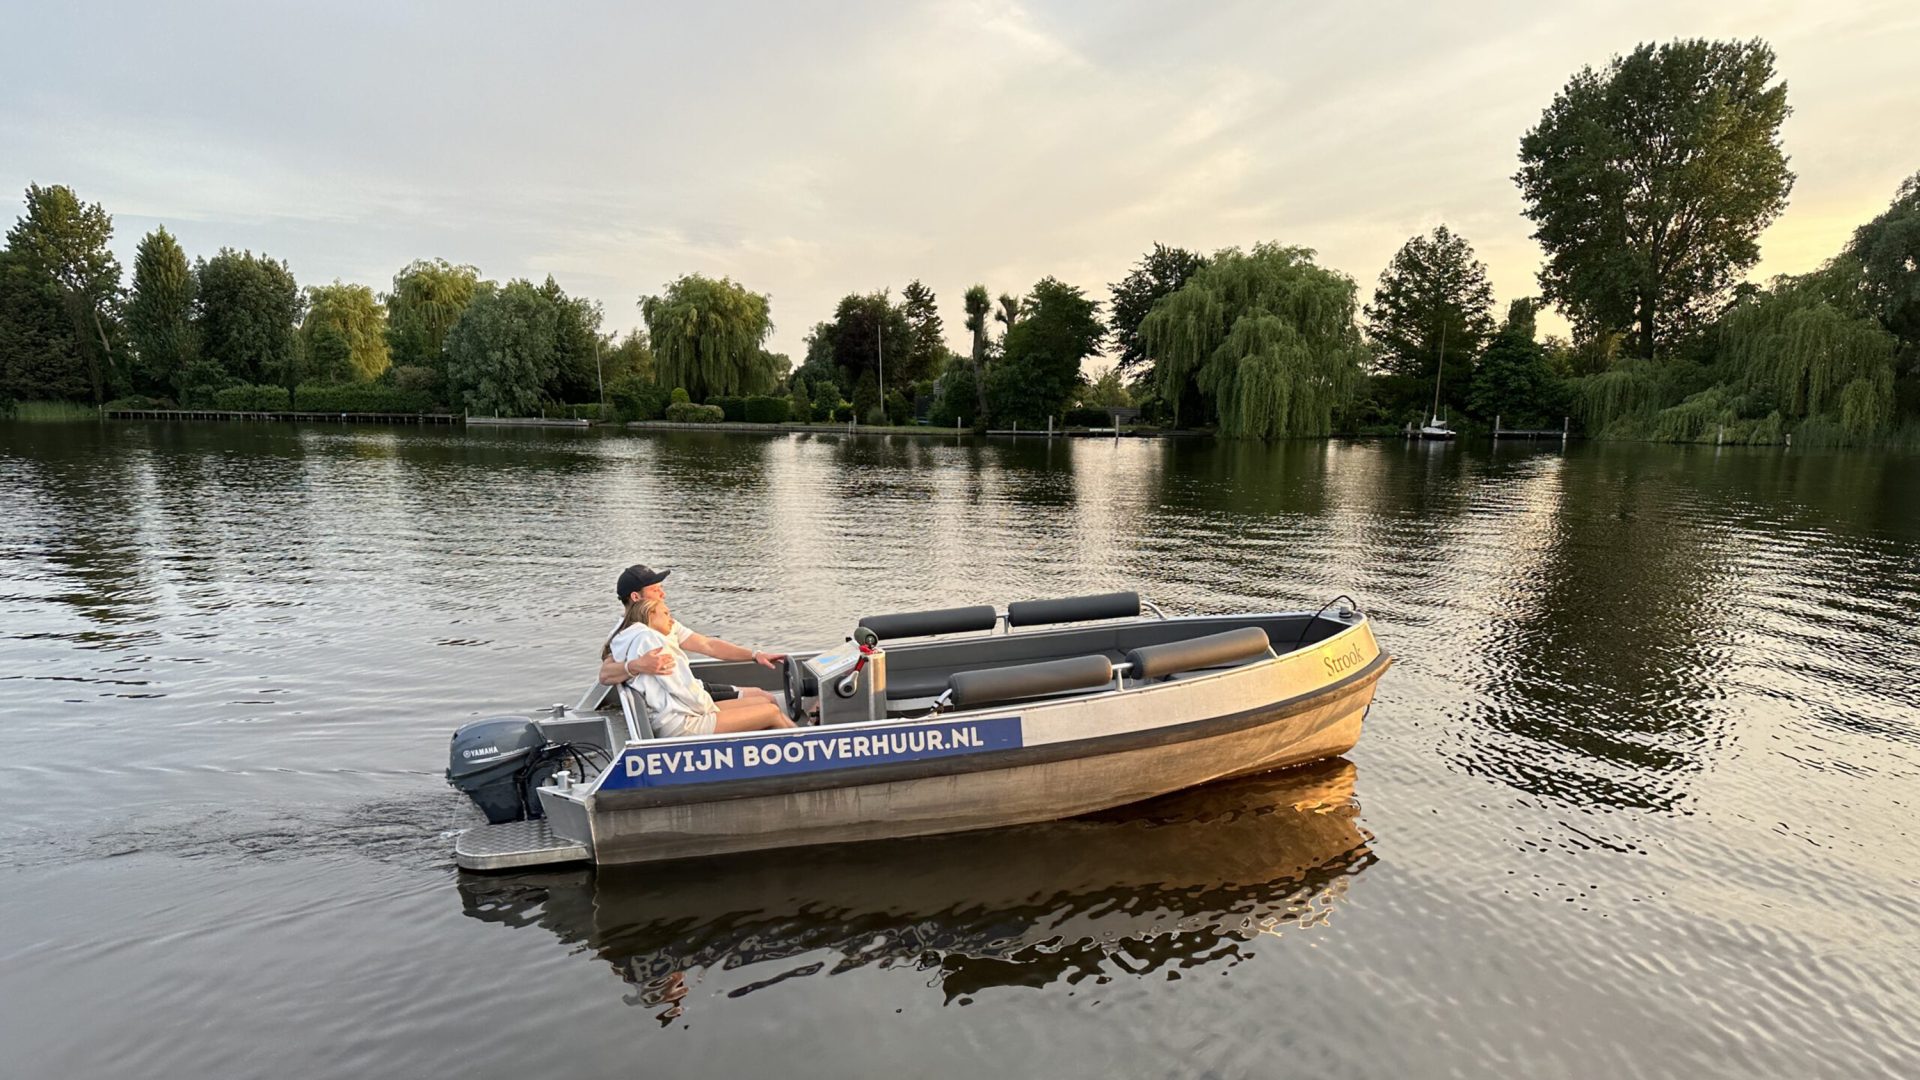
<point x="515" y="845"/>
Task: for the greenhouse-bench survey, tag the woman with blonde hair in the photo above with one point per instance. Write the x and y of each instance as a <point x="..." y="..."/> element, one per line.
<point x="678" y="703"/>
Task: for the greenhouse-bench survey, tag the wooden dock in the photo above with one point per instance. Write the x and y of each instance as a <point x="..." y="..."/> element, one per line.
<point x="527" y="421"/>
<point x="1563" y="432"/>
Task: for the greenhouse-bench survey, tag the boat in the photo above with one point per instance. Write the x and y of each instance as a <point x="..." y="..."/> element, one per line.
<point x="1435" y="428"/>
<point x="927" y="722"/>
<point x="1181" y="883"/>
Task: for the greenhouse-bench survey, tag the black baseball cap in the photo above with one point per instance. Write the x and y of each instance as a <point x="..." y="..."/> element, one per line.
<point x="637" y="577"/>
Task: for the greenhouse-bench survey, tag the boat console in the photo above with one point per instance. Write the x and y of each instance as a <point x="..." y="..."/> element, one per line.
<point x="840" y="686"/>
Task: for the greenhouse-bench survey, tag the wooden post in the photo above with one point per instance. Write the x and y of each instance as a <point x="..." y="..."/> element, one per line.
<point x="1566" y="428"/>
<point x="1049" y="427"/>
<point x="1496" y="425"/>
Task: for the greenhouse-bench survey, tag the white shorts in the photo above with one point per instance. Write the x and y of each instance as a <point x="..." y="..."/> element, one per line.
<point x="684" y="723"/>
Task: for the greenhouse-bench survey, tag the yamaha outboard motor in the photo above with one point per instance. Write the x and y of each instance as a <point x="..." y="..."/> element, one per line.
<point x="500" y="762"/>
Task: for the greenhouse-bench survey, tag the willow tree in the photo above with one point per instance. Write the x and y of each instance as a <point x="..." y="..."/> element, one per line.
<point x="1809" y="342"/>
<point x="1267" y="334"/>
<point x="706" y="334"/>
<point x="345" y="334"/>
<point x="427" y="299"/>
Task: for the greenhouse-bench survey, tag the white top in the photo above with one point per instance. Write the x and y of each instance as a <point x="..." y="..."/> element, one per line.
<point x="671" y="698"/>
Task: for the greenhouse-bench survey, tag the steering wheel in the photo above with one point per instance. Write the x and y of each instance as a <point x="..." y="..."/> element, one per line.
<point x="796" y="680"/>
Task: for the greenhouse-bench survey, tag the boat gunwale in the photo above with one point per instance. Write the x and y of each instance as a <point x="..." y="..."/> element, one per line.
<point x="599" y="801"/>
<point x="1359" y="620"/>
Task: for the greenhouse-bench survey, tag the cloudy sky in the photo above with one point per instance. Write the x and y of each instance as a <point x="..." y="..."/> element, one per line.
<point x="810" y="152"/>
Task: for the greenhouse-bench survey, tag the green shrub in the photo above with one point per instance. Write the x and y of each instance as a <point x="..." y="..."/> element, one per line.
<point x="359" y="398"/>
<point x="685" y="412"/>
<point x="823" y="410"/>
<point x="734" y="408"/>
<point x="414" y="377"/>
<point x="137" y="401"/>
<point x="1089" y="417"/>
<point x="843" y="412"/>
<point x="636" y="398"/>
<point x="766" y="410"/>
<point x="249" y="398"/>
<point x="680" y="396"/>
<point x="898" y="410"/>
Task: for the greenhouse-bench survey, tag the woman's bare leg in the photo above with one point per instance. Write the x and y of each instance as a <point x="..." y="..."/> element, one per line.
<point x="743" y="715"/>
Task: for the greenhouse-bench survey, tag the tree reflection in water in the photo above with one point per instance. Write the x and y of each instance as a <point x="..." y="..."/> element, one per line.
<point x="1180" y="882"/>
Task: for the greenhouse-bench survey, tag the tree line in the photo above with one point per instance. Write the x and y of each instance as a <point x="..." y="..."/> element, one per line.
<point x="1648" y="181"/>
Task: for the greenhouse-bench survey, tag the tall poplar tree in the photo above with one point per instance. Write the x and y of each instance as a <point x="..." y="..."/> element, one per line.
<point x="927" y="347"/>
<point x="159" y="315"/>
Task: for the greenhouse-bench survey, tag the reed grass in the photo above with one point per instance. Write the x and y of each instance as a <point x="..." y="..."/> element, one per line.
<point x="52" y="411"/>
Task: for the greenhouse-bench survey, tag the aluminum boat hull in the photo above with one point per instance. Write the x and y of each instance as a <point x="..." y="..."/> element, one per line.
<point x="1074" y="756"/>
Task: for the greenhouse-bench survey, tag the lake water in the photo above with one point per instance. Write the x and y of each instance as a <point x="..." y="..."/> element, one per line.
<point x="1637" y="799"/>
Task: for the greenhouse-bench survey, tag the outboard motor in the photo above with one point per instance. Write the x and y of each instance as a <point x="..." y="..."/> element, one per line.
<point x="500" y="762"/>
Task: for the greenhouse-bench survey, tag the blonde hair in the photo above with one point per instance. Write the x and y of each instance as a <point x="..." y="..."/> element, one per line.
<point x="639" y="611"/>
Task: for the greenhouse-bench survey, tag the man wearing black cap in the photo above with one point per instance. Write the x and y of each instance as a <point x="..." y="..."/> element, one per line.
<point x="637" y="583"/>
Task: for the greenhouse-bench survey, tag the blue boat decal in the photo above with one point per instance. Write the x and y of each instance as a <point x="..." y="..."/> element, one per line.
<point x="669" y="763"/>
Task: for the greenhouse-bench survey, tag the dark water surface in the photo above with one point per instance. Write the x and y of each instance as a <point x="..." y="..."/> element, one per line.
<point x="1638" y="798"/>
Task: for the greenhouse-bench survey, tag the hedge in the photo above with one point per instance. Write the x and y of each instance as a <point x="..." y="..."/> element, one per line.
<point x="767" y="410"/>
<point x="1089" y="418"/>
<point x="359" y="398"/>
<point x="250" y="398"/>
<point x="735" y="408"/>
<point x="590" y="411"/>
<point x="683" y="412"/>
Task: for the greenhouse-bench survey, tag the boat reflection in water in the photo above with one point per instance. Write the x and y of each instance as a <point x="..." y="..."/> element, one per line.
<point x="1186" y="880"/>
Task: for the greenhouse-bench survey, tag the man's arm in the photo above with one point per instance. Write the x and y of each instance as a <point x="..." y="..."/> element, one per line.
<point x="727" y="650"/>
<point x="656" y="662"/>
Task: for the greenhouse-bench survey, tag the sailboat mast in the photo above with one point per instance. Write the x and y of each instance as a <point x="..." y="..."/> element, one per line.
<point x="1438" y="367"/>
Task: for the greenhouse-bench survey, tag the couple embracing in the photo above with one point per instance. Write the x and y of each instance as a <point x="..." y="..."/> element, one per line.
<point x="648" y="651"/>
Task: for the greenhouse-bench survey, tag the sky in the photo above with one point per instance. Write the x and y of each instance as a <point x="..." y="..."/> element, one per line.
<point x="812" y="151"/>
